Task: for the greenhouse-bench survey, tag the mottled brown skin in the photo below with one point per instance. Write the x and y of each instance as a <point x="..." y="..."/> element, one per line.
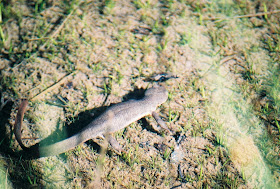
<point x="113" y="119"/>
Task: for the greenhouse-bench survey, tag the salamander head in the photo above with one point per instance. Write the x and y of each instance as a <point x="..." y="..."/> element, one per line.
<point x="156" y="94"/>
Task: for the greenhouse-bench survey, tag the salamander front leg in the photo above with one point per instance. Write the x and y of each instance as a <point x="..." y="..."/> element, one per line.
<point x="160" y="121"/>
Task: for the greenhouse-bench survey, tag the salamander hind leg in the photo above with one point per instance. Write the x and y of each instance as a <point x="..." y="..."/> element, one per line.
<point x="115" y="145"/>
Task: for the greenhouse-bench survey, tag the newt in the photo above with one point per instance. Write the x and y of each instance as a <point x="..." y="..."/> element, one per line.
<point x="113" y="119"/>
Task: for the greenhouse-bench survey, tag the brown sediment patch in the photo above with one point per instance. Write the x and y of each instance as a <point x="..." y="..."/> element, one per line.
<point x="243" y="152"/>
